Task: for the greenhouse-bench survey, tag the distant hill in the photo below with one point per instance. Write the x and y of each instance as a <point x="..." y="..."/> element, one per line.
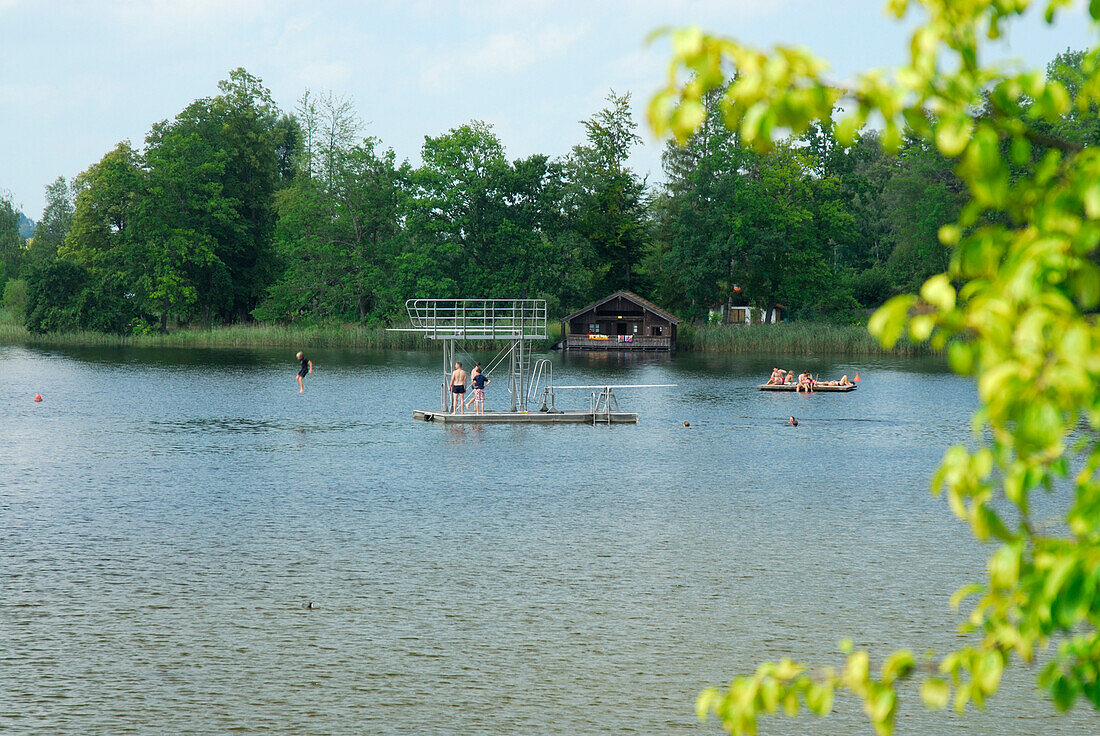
<point x="26" y="226"/>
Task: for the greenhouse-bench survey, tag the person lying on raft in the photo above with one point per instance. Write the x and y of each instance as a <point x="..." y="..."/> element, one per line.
<point x="842" y="382"/>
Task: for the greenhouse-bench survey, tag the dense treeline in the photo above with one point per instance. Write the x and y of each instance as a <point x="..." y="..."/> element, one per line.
<point x="235" y="210"/>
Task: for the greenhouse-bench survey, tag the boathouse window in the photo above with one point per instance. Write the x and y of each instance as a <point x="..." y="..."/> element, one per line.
<point x="656" y="330"/>
<point x="593" y="328"/>
<point x="635" y="329"/>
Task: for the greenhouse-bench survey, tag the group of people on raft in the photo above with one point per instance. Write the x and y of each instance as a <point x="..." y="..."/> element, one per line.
<point x="804" y="382"/>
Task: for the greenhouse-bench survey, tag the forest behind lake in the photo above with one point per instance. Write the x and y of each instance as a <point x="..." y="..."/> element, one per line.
<point x="236" y="211"/>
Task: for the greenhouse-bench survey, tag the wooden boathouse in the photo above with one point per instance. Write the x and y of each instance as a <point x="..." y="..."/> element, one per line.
<point x="622" y="321"/>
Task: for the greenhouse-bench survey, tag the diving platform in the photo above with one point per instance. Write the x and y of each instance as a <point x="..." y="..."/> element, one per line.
<point x="515" y="323"/>
<point x="535" y="417"/>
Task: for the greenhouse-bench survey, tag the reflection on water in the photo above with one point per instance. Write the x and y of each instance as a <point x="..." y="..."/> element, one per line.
<point x="168" y="514"/>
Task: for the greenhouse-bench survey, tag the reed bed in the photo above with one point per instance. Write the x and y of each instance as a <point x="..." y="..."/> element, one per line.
<point x="240" y="336"/>
<point x="794" y="338"/>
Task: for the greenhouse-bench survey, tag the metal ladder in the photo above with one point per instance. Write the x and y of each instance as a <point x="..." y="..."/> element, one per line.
<point x="604" y="398"/>
<point x="544" y="367"/>
<point x="518" y="374"/>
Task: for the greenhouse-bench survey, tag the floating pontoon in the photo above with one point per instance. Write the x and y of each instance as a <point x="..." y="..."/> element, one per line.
<point x="818" y="388"/>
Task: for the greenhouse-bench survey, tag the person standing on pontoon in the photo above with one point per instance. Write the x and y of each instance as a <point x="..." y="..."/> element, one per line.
<point x="457" y="387"/>
<point x="479" y="380"/>
<point x="473" y="381"/>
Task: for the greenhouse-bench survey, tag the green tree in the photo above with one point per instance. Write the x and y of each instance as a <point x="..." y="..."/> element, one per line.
<point x="339" y="227"/>
<point x="922" y="195"/>
<point x="104" y="210"/>
<point x="710" y="181"/>
<point x="90" y="285"/>
<point x="338" y="241"/>
<point x="1016" y="308"/>
<point x="178" y="216"/>
<point x="256" y="147"/>
<point x="766" y="224"/>
<point x="456" y="209"/>
<point x="56" y="221"/>
<point x="13" y="248"/>
<point x="607" y="200"/>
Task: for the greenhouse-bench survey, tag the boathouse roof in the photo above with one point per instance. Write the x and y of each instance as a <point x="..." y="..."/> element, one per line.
<point x="631" y="296"/>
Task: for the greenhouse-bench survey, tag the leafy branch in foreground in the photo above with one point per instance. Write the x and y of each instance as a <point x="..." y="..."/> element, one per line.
<point x="1016" y="309"/>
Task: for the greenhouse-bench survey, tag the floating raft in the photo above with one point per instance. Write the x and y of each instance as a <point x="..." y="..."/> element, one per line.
<point x="818" y="388"/>
<point x="534" y="417"/>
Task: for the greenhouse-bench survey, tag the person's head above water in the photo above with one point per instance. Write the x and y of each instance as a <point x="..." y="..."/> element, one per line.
<point x="792" y="421"/>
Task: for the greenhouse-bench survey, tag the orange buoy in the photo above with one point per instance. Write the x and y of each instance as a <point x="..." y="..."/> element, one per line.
<point x="856" y="379"/>
<point x="38" y="397"/>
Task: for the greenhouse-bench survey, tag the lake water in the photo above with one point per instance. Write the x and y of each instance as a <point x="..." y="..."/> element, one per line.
<point x="166" y="516"/>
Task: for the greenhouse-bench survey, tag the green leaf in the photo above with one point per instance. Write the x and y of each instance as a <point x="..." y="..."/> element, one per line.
<point x="897" y="666"/>
<point x="936" y="693"/>
<point x="1091" y="199"/>
<point x="938" y="292"/>
<point x="1004" y="567"/>
<point x="953" y="133"/>
<point x="686" y="118"/>
<point x="888" y="322"/>
<point x="960" y="356"/>
<point x="848" y="128"/>
<point x="965" y="592"/>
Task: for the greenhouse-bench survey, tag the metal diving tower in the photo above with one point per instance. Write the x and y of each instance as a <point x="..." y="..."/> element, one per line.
<point x="517" y="322"/>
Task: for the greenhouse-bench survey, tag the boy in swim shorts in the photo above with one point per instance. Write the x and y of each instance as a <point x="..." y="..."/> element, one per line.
<point x="458" y="388"/>
<point x="479" y="380"/>
<point x="305" y="370"/>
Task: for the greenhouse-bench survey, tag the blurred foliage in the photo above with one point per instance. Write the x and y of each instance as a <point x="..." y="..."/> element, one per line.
<point x="1015" y="305"/>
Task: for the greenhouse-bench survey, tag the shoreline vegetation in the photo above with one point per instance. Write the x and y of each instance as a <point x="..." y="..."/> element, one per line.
<point x="797" y="338"/>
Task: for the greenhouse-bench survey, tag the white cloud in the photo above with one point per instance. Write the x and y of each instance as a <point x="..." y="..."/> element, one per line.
<point x="324" y="75"/>
<point x="499" y="53"/>
<point x="185" y="14"/>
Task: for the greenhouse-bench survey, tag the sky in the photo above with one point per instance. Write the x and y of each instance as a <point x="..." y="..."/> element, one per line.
<point x="78" y="76"/>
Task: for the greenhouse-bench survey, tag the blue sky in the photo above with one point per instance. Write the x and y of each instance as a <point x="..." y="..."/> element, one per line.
<point x="76" y="77"/>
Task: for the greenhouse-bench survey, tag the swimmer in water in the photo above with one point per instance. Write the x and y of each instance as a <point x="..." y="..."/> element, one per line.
<point x="792" y="421"/>
<point x="306" y="369"/>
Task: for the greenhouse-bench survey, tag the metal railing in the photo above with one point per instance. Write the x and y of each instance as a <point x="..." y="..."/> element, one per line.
<point x="479" y="319"/>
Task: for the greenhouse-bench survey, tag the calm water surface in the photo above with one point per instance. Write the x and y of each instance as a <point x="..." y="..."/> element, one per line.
<point x="166" y="515"/>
